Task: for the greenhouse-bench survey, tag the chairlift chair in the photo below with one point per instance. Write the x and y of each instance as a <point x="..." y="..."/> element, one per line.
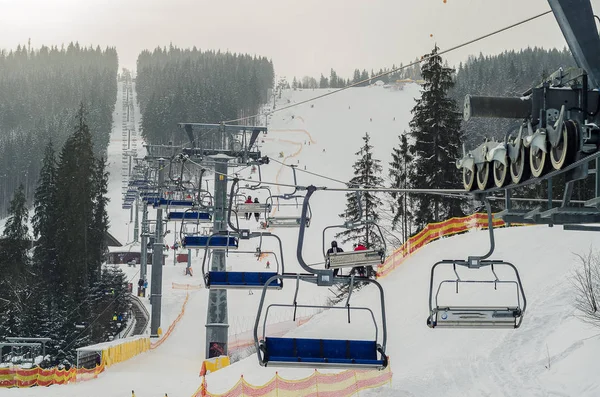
<point x="245" y="280"/>
<point x="368" y="257"/>
<point x="287" y="221"/>
<point x="223" y="242"/>
<point x="318" y="352"/>
<point x="313" y="352"/>
<point x="477" y="316"/>
<point x="189" y="215"/>
<point x="164" y="203"/>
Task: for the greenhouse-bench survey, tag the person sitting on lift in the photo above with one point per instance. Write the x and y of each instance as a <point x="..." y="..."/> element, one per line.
<point x="248" y="201"/>
<point x="359" y="270"/>
<point x="334" y="248"/>
<point x="256" y="214"/>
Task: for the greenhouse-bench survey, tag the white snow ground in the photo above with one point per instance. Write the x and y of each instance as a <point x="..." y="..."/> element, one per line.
<point x="425" y="362"/>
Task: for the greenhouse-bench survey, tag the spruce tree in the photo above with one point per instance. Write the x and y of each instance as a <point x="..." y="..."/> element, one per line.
<point x="16" y="235"/>
<point x="99" y="225"/>
<point x="74" y="203"/>
<point x="45" y="218"/>
<point x="13" y="262"/>
<point x="367" y="171"/>
<point x="435" y="129"/>
<point x="400" y="174"/>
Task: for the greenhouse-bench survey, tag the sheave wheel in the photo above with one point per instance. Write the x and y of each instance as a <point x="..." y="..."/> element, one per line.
<point x="538" y="162"/>
<point x="483" y="177"/>
<point x="468" y="179"/>
<point x="519" y="171"/>
<point x="500" y="172"/>
<point x="564" y="152"/>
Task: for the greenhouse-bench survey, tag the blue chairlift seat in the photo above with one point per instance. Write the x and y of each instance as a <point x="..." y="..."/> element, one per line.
<point x="151" y="200"/>
<point x="301" y="352"/>
<point x="241" y="280"/>
<point x="164" y="203"/>
<point x="216" y="242"/>
<point x="189" y="215"/>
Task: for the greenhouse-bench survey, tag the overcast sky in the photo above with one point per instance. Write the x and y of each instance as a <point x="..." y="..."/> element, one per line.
<point x="302" y="37"/>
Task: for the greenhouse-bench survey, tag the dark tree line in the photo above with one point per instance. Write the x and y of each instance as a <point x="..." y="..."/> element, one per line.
<point x="176" y="85"/>
<point x="38" y="91"/>
<point x="58" y="289"/>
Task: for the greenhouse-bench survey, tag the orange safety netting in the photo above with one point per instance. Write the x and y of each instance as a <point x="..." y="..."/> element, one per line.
<point x="343" y="384"/>
<point x="172" y="326"/>
<point x="432" y="232"/>
<point x="19" y="377"/>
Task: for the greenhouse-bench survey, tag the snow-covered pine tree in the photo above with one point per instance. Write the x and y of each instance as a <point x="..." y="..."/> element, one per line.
<point x="435" y="129"/>
<point x="13" y="262"/>
<point x="400" y="173"/>
<point x="15" y="242"/>
<point x="99" y="226"/>
<point x="74" y="203"/>
<point x="44" y="218"/>
<point x="367" y="174"/>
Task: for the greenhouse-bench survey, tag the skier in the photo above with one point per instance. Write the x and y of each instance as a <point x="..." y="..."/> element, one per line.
<point x="359" y="247"/>
<point x="360" y="270"/>
<point x="268" y="265"/>
<point x="256" y="214"/>
<point x="334" y="248"/>
<point x="248" y="201"/>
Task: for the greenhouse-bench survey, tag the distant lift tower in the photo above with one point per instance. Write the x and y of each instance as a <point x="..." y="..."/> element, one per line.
<point x="216" y="145"/>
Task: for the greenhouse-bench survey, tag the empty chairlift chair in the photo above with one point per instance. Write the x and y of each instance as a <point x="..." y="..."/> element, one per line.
<point x="320" y="352"/>
<point x="244" y="280"/>
<point x="189" y="215"/>
<point x="224" y="242"/>
<point x="173" y="204"/>
<point x="495" y="289"/>
<point x="286" y="221"/>
<point x="509" y="315"/>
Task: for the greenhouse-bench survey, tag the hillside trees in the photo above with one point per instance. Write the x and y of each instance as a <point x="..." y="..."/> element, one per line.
<point x="39" y="90"/>
<point x="65" y="285"/>
<point x="175" y="85"/>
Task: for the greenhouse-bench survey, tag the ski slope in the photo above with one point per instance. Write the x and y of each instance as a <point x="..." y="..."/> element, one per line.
<point x="552" y="353"/>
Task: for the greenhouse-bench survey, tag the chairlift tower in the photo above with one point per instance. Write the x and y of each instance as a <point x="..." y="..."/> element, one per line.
<point x="216" y="145"/>
<point x="157" y="262"/>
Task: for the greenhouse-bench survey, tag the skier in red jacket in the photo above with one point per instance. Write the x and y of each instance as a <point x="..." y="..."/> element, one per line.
<point x="248" y="201"/>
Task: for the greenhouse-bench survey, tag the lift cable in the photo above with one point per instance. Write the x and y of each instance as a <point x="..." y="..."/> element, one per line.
<point x="423" y="59"/>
